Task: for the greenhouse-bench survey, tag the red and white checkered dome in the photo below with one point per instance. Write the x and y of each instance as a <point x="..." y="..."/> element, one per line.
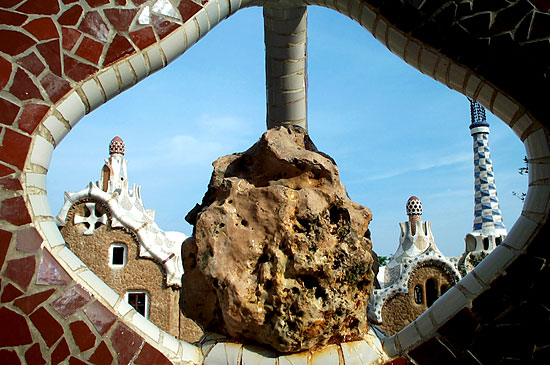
<point x="414" y="206"/>
<point x="117" y="146"/>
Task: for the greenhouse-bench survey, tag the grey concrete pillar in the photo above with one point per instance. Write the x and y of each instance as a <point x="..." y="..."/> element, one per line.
<point x="285" y="30"/>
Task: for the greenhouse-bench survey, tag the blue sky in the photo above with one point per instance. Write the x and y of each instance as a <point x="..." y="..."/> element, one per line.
<point x="393" y="131"/>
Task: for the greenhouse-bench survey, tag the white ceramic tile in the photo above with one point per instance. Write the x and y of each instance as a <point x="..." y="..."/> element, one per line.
<point x="223" y="8"/>
<point x="72" y="108"/>
<point x="171" y="343"/>
<point x="296" y="111"/>
<point x="234" y="353"/>
<point x="191" y="32"/>
<point x="190" y="353"/>
<point x="212" y="13"/>
<point x="441" y="70"/>
<point x="297" y="52"/>
<point x="447" y="305"/>
<point x="202" y="21"/>
<point x="424" y="324"/>
<point x="520" y="233"/>
<point x="359" y="352"/>
<point x="521" y="125"/>
<point x="277" y="68"/>
<point x="367" y="18"/>
<point x="155" y="59"/>
<point x="355" y="10"/>
<point x="224" y="353"/>
<point x="51" y="234"/>
<point x="504" y="108"/>
<point x="373" y="339"/>
<point x="380" y="32"/>
<point x="109" y="83"/>
<point x="397" y="42"/>
<point x="146" y="326"/>
<point x="493" y="264"/>
<point x="428" y="60"/>
<point x="325" y="356"/>
<point x="411" y="54"/>
<point x="537" y="145"/>
<point x="408" y="336"/>
<point x="123" y="308"/>
<point x="93" y="93"/>
<point x="536" y="200"/>
<point x="472" y="85"/>
<point x="470" y="283"/>
<point x="140" y="68"/>
<point x="99" y="287"/>
<point x="70" y="258"/>
<point x="235" y="5"/>
<point x="174" y="45"/>
<point x="254" y="355"/>
<point x="126" y="75"/>
<point x="295" y="359"/>
<point x="41" y="152"/>
<point x="341" y="6"/>
<point x="40" y="205"/>
<point x="36" y="180"/>
<point x="389" y="346"/>
<point x="457" y="74"/>
<point x="538" y="171"/>
<point x="56" y="128"/>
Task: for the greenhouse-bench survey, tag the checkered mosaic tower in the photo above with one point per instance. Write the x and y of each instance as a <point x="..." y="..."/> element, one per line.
<point x="487" y="214"/>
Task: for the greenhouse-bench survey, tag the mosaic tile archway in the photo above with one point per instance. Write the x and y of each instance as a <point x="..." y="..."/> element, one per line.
<point x="61" y="59"/>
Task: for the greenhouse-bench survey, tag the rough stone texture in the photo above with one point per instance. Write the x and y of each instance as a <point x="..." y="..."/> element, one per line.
<point x="279" y="254"/>
<point x="402" y="309"/>
<point x="137" y="274"/>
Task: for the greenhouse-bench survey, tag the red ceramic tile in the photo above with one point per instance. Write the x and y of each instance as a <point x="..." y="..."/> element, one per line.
<point x="34" y="355"/>
<point x="28" y="240"/>
<point x="11" y="18"/>
<point x="14" y="43"/>
<point x="82" y="335"/>
<point x="47" y="325"/>
<point x="9" y="357"/>
<point x="15" y="211"/>
<point x="5" y="238"/>
<point x="71" y="16"/>
<point x="14" y="149"/>
<point x="21" y="271"/>
<point x="29" y="303"/>
<point x="23" y="87"/>
<point x="143" y="38"/>
<point x="101" y="355"/>
<point x="18" y="334"/>
<point x="60" y="353"/>
<point x="4" y="171"/>
<point x="94" y="25"/>
<point x="120" y="2"/>
<point x="8" y="112"/>
<point x="32" y="63"/>
<point x="187" y="9"/>
<point x="125" y="342"/>
<point x="9" y="183"/>
<point x="45" y="7"/>
<point x="31" y="116"/>
<point x="90" y="50"/>
<point x="50" y="52"/>
<point x="74" y="361"/>
<point x="10" y="3"/>
<point x="542" y="5"/>
<point x="5" y="72"/>
<point x="50" y="273"/>
<point x="150" y="355"/>
<point x="69" y="37"/>
<point x="101" y="317"/>
<point x="96" y="3"/>
<point x="139" y="2"/>
<point x="120" y="19"/>
<point x="42" y="29"/>
<point x="71" y="301"/>
<point x="77" y="70"/>
<point x="119" y="47"/>
<point x="69" y="1"/>
<point x="163" y="26"/>
<point x="55" y="86"/>
<point x="10" y="293"/>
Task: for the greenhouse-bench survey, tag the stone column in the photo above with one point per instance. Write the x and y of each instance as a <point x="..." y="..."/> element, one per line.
<point x="285" y="29"/>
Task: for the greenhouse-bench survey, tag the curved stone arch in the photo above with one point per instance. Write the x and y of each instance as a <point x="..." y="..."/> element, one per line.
<point x="108" y="82"/>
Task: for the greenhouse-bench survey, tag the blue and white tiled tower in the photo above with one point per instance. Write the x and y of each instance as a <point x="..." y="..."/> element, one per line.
<point x="489" y="229"/>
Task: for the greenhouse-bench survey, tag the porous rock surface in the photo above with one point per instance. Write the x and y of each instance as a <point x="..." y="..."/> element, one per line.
<point x="279" y="255"/>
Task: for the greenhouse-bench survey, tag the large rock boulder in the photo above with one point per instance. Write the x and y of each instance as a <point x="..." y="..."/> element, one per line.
<point x="279" y="254"/>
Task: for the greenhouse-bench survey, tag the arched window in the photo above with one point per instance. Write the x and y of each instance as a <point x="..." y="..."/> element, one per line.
<point x="117" y="255"/>
<point x="418" y="297"/>
<point x="431" y="292"/>
<point x="139" y="299"/>
<point x="485" y="243"/>
<point x="443" y="288"/>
